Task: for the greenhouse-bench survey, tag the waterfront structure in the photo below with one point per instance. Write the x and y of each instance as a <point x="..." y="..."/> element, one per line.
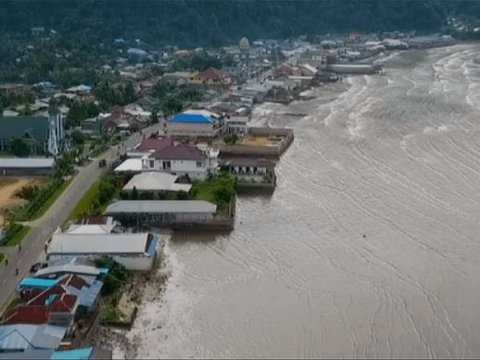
<point x="196" y="123"/>
<point x="163" y="212"/>
<point x="134" y="251"/>
<point x="247" y="169"/>
<point x="76" y="354"/>
<point x="27" y="166"/>
<point x="43" y="135"/>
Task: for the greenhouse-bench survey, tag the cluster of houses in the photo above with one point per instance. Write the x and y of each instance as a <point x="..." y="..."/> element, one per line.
<point x="60" y="299"/>
<point x="51" y="307"/>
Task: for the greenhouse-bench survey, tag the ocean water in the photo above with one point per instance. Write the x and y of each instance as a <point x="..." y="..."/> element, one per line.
<point x="394" y="157"/>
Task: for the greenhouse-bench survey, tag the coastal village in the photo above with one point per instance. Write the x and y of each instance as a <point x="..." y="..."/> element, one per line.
<point x="173" y="155"/>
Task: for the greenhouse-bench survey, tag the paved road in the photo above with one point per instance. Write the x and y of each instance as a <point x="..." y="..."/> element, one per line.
<point x="43" y="228"/>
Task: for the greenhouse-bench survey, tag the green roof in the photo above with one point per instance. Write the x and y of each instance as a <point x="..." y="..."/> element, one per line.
<point x="18" y="126"/>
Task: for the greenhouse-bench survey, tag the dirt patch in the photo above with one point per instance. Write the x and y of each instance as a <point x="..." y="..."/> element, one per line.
<point x="9" y="186"/>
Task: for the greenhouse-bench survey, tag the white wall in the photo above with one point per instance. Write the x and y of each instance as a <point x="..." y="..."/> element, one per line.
<point x="131" y="262"/>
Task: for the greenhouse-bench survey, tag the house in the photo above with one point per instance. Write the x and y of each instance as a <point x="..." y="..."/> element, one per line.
<point x="35" y="284"/>
<point x="44" y="135"/>
<point x="163" y="212"/>
<point x="195" y="78"/>
<point x="176" y="78"/>
<point x="120" y="121"/>
<point x="213" y="76"/>
<point x="155" y="182"/>
<point x="135" y="251"/>
<point x="149" y="145"/>
<point x="100" y="225"/>
<point x="48" y="307"/>
<point x="93" y="127"/>
<point x="307" y="70"/>
<point x="249" y="169"/>
<point x="27" y="166"/>
<point x="182" y="159"/>
<point x="28" y="337"/>
<point x="237" y="125"/>
<point x="196" y="123"/>
<point x="76" y="354"/>
<point x="57" y="271"/>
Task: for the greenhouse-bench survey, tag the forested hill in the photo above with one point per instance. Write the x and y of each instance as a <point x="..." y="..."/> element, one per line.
<point x="212" y="23"/>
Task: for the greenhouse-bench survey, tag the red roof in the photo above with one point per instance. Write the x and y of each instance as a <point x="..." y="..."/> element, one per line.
<point x="213" y="74"/>
<point x="179" y="152"/>
<point x="155" y="144"/>
<point x="64" y="303"/>
<point x="75" y="281"/>
<point x="27" y="315"/>
<point x="42" y="297"/>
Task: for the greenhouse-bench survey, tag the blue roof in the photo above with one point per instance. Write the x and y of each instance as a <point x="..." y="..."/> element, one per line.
<point x="36" y="283"/>
<point x="87" y="295"/>
<point x="23" y="337"/>
<point x="77" y="354"/>
<point x="193" y="119"/>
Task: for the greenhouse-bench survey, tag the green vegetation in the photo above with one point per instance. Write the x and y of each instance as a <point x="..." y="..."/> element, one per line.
<point x="117" y="275"/>
<point x="2" y="257"/>
<point x="38" y="202"/>
<point x="231" y="139"/>
<point x="51" y="199"/>
<point x="15" y="234"/>
<point x="219" y="190"/>
<point x="19" y="148"/>
<point x="85" y="204"/>
<point x="91" y="26"/>
<point x="97" y="197"/>
<point x="110" y="316"/>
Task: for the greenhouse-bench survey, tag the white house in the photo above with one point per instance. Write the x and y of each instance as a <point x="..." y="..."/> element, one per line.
<point x="135" y="251"/>
<point x="237" y="125"/>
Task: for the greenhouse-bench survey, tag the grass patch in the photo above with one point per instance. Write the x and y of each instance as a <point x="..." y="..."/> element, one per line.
<point x="86" y="201"/>
<point x="46" y="205"/>
<point x="2" y="257"/>
<point x="18" y="236"/>
<point x="203" y="191"/>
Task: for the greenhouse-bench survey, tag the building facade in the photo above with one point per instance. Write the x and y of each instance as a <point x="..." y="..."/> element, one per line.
<point x="43" y="135"/>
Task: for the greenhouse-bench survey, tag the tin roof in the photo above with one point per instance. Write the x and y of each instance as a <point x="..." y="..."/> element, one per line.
<point x="98" y="243"/>
<point x="29" y="337"/>
<point x="15" y="163"/>
<point x="161" y="206"/>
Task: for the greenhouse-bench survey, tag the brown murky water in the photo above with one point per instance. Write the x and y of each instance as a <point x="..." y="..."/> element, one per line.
<point x="396" y="157"/>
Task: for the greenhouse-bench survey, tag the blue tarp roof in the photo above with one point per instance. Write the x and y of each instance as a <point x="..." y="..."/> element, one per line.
<point x="36" y="283"/>
<point x="193" y="119"/>
<point x="77" y="354"/>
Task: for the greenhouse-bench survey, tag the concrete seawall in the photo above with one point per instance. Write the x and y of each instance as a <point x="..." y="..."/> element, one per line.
<point x="273" y="151"/>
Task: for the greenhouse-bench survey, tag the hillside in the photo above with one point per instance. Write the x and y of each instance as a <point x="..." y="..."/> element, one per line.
<point x="213" y="23"/>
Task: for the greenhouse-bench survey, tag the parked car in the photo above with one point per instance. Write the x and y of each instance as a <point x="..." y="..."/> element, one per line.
<point x="37" y="266"/>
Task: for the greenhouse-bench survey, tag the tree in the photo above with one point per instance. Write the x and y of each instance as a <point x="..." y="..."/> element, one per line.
<point x="134" y="193"/>
<point x="172" y="106"/>
<point x="154" y="117"/>
<point x="129" y="94"/>
<point x="19" y="147"/>
<point x="78" y="137"/>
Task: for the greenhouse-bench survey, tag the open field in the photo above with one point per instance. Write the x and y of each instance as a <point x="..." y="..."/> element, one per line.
<point x="9" y="186"/>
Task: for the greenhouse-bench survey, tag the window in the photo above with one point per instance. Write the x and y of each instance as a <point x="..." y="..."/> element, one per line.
<point x="167" y="165"/>
<point x="199" y="164"/>
<point x="152" y="163"/>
